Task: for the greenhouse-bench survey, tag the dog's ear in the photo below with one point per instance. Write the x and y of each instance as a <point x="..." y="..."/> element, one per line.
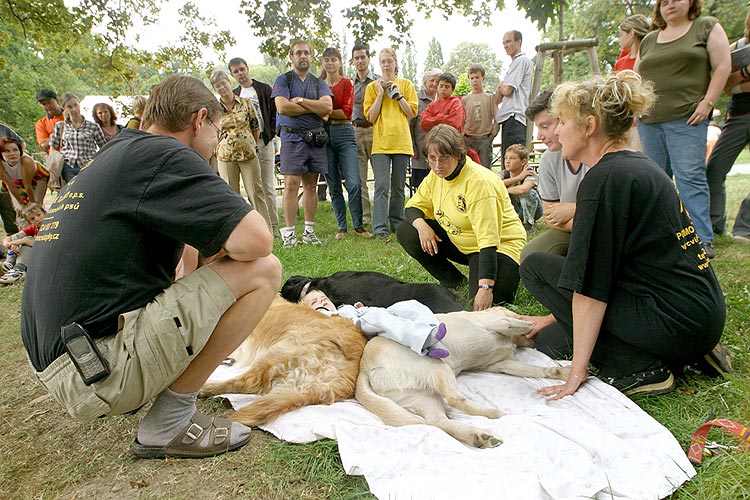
<point x="292" y="288"/>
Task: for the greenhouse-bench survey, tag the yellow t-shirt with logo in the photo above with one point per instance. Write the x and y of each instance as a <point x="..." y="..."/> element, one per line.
<point x="474" y="209"/>
<point x="390" y="133"/>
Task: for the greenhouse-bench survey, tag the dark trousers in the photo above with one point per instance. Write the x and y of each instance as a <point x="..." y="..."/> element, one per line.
<point x="633" y="337"/>
<point x="441" y="267"/>
<point x="742" y="222"/>
<point x="417" y="176"/>
<point x="734" y="137"/>
<point x="8" y="213"/>
<point x="512" y="132"/>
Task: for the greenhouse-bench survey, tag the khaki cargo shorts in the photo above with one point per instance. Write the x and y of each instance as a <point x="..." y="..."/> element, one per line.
<point x="152" y="347"/>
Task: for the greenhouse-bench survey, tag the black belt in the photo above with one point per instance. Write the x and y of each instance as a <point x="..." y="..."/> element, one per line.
<point x="291" y="130"/>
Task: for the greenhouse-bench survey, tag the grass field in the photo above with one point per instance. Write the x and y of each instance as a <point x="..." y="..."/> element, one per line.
<point x="45" y="454"/>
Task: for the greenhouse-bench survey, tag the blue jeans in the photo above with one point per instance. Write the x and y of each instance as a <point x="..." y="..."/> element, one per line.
<point x="390" y="180"/>
<point x="680" y="148"/>
<point x="343" y="164"/>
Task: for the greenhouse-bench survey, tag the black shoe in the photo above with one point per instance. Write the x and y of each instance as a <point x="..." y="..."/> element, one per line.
<point x="659" y="381"/>
<point x="709" y="249"/>
<point x="716" y="363"/>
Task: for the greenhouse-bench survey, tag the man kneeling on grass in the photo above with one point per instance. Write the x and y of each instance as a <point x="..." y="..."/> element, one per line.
<point x="105" y="326"/>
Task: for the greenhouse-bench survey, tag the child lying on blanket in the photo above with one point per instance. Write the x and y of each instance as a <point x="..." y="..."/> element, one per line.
<point x="409" y="322"/>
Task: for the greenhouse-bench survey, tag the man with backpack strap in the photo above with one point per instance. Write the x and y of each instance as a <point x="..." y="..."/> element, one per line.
<point x="303" y="103"/>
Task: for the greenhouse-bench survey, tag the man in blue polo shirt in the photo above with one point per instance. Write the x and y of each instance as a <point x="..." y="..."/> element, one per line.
<point x="303" y="103"/>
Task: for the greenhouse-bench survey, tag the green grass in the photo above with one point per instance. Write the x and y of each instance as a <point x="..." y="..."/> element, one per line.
<point x="45" y="454"/>
<point x="744" y="157"/>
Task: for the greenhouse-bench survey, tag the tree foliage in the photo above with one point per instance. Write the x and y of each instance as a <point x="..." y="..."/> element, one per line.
<point x="467" y="53"/>
<point x="463" y="86"/>
<point x="541" y="12"/>
<point x="409" y="62"/>
<point x="434" y="57"/>
<point x="85" y="49"/>
<point x="277" y="22"/>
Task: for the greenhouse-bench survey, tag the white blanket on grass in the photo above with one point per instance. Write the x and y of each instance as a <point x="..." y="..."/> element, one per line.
<point x="594" y="444"/>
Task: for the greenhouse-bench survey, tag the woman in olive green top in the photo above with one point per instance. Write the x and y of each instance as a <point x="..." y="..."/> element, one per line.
<point x="679" y="59"/>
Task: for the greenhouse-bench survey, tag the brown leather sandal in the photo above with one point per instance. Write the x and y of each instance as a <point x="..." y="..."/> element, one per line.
<point x="187" y="444"/>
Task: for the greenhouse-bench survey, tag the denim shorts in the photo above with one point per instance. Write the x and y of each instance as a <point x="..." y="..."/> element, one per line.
<point x="299" y="157"/>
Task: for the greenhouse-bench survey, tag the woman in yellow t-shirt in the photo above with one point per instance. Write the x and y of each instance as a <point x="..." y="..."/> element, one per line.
<point x="462" y="213"/>
<point x="390" y="102"/>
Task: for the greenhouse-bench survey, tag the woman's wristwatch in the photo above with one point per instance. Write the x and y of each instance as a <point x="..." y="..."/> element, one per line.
<point x="485" y="286"/>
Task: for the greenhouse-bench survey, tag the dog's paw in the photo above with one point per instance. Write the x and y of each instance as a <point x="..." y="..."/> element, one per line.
<point x="210" y="389"/>
<point x="494" y="413"/>
<point x="523" y="341"/>
<point x="484" y="440"/>
<point x="560" y="372"/>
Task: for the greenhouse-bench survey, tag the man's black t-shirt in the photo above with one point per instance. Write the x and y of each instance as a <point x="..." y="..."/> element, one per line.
<point x="112" y="239"/>
<point x="632" y="232"/>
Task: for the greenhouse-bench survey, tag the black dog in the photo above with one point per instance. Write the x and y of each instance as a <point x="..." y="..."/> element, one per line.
<point x="372" y="289"/>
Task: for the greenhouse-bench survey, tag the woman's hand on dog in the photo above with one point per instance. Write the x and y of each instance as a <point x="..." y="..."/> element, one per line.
<point x="539" y="322"/>
<point x="569" y="387"/>
<point x="483" y="299"/>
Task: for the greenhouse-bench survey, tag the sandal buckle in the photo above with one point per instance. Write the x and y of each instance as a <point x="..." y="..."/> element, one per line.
<point x="220" y="435"/>
<point x="194" y="431"/>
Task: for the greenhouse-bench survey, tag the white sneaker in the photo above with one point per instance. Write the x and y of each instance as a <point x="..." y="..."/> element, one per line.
<point x="290" y="240"/>
<point x="10" y="262"/>
<point x="309" y="237"/>
<point x="12" y="276"/>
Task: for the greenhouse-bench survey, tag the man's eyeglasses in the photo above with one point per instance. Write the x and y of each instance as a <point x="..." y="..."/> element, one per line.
<point x="218" y="130"/>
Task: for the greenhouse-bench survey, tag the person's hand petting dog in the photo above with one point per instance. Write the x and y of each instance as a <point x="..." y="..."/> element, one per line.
<point x="483" y="299"/>
<point x="539" y="322"/>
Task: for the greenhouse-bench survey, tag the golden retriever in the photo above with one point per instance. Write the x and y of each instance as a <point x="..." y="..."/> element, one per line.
<point x="295" y="357"/>
<point x="403" y="388"/>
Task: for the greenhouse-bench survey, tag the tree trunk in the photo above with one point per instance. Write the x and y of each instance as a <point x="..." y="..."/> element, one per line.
<point x="560" y="20"/>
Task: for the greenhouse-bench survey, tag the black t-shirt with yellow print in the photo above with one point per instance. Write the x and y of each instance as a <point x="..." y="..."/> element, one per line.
<point x="631" y="232"/>
<point x="112" y="238"/>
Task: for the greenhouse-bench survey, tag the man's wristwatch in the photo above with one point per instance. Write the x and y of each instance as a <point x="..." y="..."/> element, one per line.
<point x="486" y="287"/>
<point x="299" y="100"/>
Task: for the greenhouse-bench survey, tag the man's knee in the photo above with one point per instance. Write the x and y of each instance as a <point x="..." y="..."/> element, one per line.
<point x="262" y="274"/>
<point x="268" y="271"/>
<point x="291" y="181"/>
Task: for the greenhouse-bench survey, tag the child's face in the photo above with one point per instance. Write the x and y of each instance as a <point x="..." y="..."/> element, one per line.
<point x="11" y="154"/>
<point x="513" y="163"/>
<point x="477" y="81"/>
<point x="317" y="299"/>
<point x="35" y="217"/>
<point x="445" y="90"/>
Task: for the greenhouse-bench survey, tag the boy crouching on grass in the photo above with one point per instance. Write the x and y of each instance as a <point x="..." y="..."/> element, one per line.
<point x="20" y="245"/>
<point x="521" y="181"/>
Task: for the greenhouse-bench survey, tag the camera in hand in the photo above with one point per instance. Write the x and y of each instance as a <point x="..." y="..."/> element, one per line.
<point x="391" y="90"/>
<point x="84" y="354"/>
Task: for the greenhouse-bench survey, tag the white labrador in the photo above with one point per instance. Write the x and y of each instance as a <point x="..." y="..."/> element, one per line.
<point x="403" y="388"/>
